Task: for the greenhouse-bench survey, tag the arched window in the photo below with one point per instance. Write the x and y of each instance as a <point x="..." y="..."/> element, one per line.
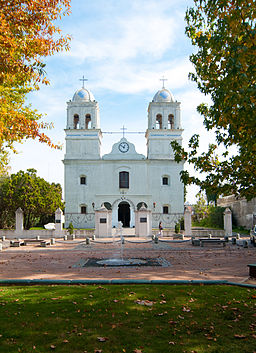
<point x="159" y="121"/>
<point x="108" y="205"/>
<point x="170" y="121"/>
<point x="88" y="121"/>
<point x="76" y="121"/>
<point x="83" y="180"/>
<point x="165" y="180"/>
<point x="165" y="209"/>
<point x="124" y="180"/>
<point x="83" y="209"/>
<point x="140" y="205"/>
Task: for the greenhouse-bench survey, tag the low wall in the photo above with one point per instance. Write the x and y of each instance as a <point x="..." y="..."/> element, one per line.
<point x="206" y="231"/>
<point x="165" y="232"/>
<point x="243" y="211"/>
<point x="83" y="233"/>
<point x="44" y="233"/>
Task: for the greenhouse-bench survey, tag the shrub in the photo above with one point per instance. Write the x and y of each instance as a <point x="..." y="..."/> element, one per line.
<point x="177" y="228"/>
<point x="182" y="226"/>
<point x="214" y="218"/>
<point x="70" y="228"/>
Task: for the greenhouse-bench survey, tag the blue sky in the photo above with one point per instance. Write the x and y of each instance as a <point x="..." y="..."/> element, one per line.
<point x="123" y="48"/>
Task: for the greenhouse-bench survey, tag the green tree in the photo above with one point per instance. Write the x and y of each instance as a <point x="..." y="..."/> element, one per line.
<point x="224" y="33"/>
<point x="35" y="196"/>
<point x="200" y="208"/>
<point x="6" y="218"/>
<point x="211" y="198"/>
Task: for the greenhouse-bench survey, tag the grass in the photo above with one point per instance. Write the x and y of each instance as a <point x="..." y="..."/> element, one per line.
<point x="241" y="230"/>
<point x="127" y="318"/>
<point x="198" y="225"/>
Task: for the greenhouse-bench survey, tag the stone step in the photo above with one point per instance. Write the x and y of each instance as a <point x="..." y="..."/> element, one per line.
<point x="125" y="231"/>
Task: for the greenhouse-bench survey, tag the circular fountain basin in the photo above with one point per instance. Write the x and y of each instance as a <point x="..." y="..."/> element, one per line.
<point x="121" y="262"/>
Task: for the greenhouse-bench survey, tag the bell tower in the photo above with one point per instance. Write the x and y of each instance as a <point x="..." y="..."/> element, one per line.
<point x="163" y="125"/>
<point x="83" y="134"/>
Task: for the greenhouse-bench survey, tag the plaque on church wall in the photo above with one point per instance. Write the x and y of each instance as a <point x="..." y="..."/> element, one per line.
<point x="103" y="220"/>
<point x="143" y="220"/>
<point x="57" y="221"/>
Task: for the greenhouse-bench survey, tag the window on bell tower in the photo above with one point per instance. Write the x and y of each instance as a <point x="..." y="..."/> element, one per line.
<point x="76" y="121"/>
<point x="88" y="121"/>
<point x="170" y="121"/>
<point x="159" y="121"/>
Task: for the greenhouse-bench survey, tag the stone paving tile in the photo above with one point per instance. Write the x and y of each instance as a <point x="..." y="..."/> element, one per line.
<point x="187" y="262"/>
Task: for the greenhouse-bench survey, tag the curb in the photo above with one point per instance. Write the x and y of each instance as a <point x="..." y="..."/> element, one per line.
<point x="119" y="281"/>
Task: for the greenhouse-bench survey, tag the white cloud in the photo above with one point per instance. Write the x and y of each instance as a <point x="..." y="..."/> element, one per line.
<point x="192" y="121"/>
<point x="134" y="78"/>
<point x="144" y="31"/>
<point x="127" y="48"/>
<point x="133" y="43"/>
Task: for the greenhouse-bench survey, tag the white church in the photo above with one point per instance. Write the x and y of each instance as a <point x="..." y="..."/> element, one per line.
<point x="122" y="180"/>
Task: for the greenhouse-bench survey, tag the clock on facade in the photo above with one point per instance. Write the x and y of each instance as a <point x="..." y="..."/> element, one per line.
<point x="123" y="147"/>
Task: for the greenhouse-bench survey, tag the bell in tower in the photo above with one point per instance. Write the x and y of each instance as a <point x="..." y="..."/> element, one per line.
<point x="83" y="111"/>
<point x="83" y="134"/>
<point x="163" y="124"/>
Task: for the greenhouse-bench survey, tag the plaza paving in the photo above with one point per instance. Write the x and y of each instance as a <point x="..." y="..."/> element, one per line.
<point x="181" y="261"/>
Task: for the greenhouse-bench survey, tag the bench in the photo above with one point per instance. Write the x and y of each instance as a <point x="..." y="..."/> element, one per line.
<point x="209" y="239"/>
<point x="195" y="242"/>
<point x="212" y="241"/>
<point x="26" y="241"/>
<point x="252" y="270"/>
<point x="16" y="243"/>
<point x="42" y="242"/>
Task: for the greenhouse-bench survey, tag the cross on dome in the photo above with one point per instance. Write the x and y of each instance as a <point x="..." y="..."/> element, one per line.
<point x="163" y="79"/>
<point x="83" y="79"/>
<point x="123" y="129"/>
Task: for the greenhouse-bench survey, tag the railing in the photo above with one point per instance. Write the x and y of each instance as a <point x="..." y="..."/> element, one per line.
<point x="79" y="218"/>
<point x="169" y="219"/>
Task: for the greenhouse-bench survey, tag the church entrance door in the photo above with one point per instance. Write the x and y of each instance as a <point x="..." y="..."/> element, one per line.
<point x="124" y="214"/>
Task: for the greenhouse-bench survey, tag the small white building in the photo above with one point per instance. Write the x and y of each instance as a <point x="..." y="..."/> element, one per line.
<point x="123" y="179"/>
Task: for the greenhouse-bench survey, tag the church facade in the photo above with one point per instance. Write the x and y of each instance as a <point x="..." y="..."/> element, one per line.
<point x="122" y="180"/>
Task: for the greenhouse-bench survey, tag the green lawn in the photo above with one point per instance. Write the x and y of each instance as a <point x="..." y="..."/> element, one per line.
<point x="127" y="318"/>
<point x="241" y="230"/>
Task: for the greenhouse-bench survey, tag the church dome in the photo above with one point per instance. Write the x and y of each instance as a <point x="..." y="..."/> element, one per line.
<point x="84" y="95"/>
<point x="163" y="95"/>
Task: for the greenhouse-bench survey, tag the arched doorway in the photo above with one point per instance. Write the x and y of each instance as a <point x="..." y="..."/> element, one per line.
<point x="124" y="213"/>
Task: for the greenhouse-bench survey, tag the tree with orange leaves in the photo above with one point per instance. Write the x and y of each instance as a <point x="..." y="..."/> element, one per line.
<point x="27" y="35"/>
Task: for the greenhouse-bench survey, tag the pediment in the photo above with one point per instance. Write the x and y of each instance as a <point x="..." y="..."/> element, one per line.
<point x="123" y="149"/>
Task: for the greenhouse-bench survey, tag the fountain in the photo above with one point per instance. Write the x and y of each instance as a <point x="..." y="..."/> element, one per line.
<point x="120" y="261"/>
